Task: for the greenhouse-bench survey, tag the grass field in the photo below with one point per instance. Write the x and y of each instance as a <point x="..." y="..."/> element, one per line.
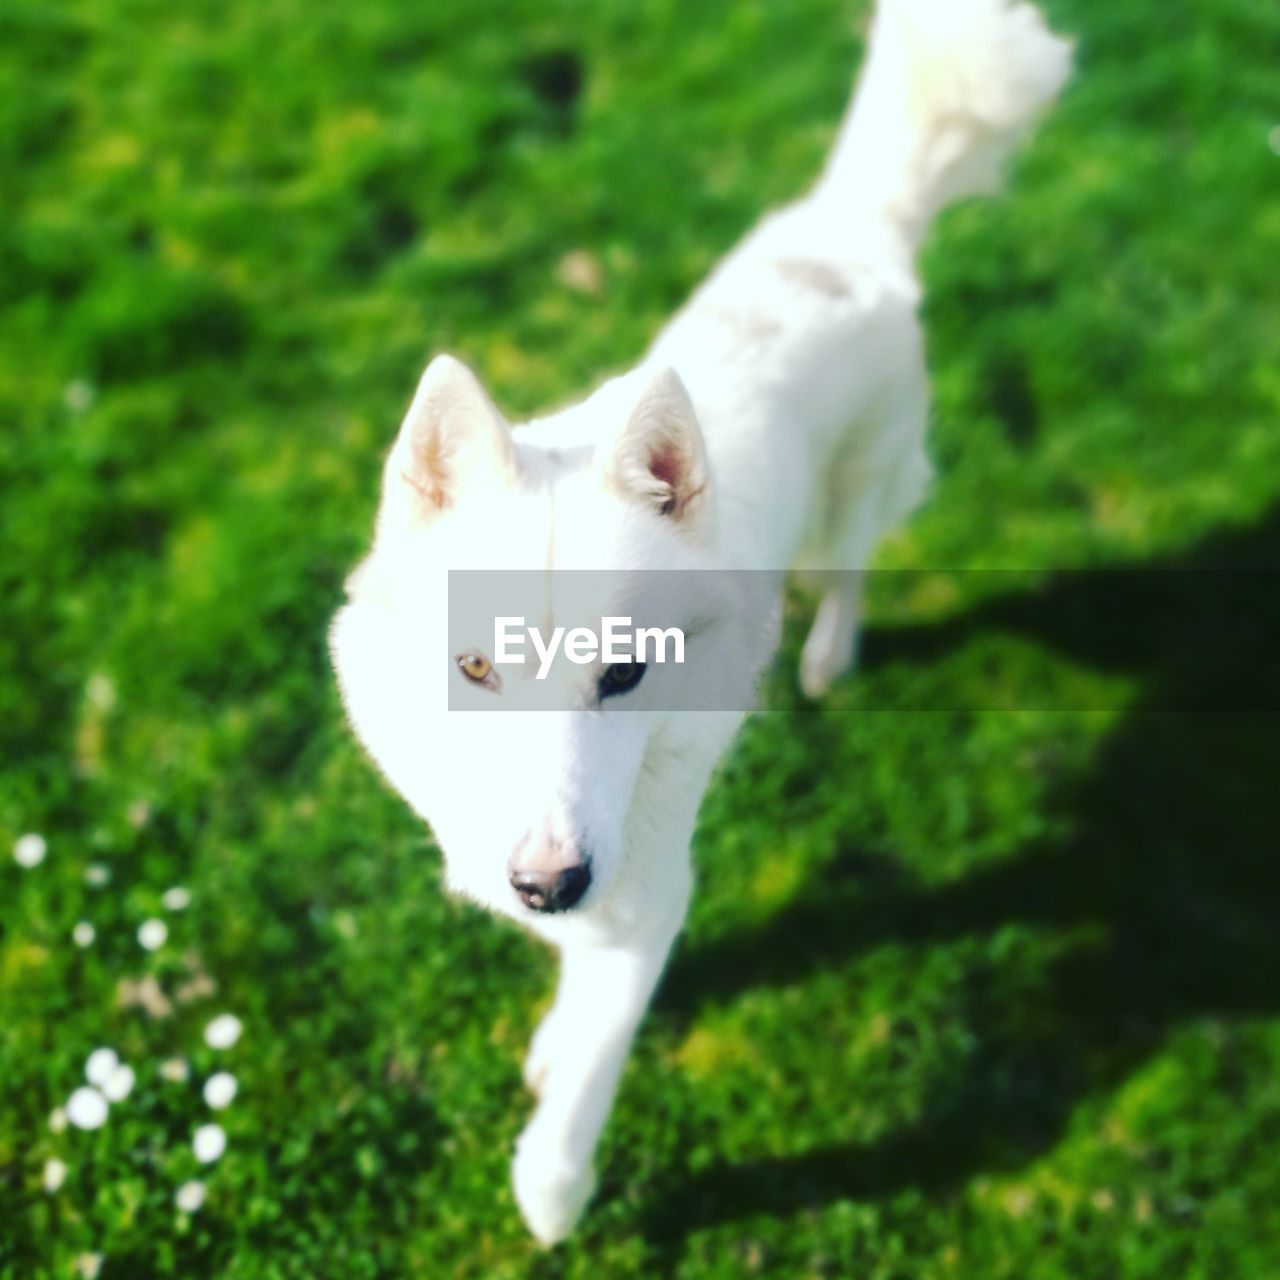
<point x="983" y="978"/>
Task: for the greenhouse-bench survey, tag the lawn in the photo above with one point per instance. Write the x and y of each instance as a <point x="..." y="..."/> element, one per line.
<point x="983" y="976"/>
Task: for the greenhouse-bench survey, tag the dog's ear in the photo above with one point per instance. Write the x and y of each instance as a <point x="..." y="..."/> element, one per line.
<point x="452" y="436"/>
<point x="658" y="456"/>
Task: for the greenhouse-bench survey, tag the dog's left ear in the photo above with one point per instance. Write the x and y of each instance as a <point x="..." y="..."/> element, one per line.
<point x="659" y="456"/>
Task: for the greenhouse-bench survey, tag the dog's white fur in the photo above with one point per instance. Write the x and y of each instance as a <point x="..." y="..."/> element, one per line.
<point x="777" y="422"/>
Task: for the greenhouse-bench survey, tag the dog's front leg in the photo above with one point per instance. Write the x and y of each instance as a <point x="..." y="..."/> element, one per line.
<point x="575" y="1063"/>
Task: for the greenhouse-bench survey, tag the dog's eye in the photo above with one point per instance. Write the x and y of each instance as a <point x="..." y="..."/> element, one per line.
<point x="620" y="678"/>
<point x="477" y="668"/>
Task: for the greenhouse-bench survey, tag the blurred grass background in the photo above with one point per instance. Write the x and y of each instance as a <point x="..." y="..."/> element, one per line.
<point x="964" y="994"/>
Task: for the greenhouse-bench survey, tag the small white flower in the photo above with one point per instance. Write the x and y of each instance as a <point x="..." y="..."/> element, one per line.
<point x="97" y="875"/>
<point x="190" y="1196"/>
<point x="119" y="1084"/>
<point x="29" y="850"/>
<point x="581" y="271"/>
<point x="87" y="1108"/>
<point x="152" y="934"/>
<point x="55" y="1174"/>
<point x="88" y="1265"/>
<point x="177" y="898"/>
<point x="101" y="692"/>
<point x="101" y="1063"/>
<point x="209" y="1143"/>
<point x="83" y="934"/>
<point x="146" y="993"/>
<point x="57" y="1120"/>
<point x="175" y="1070"/>
<point x="78" y="395"/>
<point x="219" y="1090"/>
<point x="223" y="1031"/>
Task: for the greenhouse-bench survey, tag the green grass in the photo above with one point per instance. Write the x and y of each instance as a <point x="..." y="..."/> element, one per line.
<point x="966" y="992"/>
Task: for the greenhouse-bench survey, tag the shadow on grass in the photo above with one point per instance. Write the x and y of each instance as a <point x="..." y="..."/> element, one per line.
<point x="1169" y="872"/>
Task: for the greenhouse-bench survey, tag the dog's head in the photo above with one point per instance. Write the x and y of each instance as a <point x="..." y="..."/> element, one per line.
<point x="532" y="779"/>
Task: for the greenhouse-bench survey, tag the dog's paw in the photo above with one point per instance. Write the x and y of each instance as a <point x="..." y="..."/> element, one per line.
<point x="820" y="669"/>
<point x="831" y="648"/>
<point x="551" y="1194"/>
<point x="817" y="676"/>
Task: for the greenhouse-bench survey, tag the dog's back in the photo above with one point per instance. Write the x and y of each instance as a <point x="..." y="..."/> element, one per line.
<point x="802" y="352"/>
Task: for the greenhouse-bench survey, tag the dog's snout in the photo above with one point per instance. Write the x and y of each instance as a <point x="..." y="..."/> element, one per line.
<point x="552" y="890"/>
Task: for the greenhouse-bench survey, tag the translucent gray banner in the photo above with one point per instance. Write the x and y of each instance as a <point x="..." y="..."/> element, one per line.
<point x="1203" y="640"/>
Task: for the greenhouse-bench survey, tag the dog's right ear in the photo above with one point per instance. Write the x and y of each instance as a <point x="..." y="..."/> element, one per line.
<point x="453" y="436"/>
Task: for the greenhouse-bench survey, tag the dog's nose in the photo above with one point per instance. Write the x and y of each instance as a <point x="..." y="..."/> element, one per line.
<point x="552" y="890"/>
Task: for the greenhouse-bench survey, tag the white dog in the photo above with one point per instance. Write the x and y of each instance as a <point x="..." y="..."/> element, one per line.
<point x="777" y="422"/>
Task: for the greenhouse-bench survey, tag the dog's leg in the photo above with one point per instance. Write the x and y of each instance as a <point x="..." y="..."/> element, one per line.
<point x="831" y="648"/>
<point x="553" y="1038"/>
<point x="575" y="1064"/>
